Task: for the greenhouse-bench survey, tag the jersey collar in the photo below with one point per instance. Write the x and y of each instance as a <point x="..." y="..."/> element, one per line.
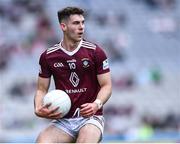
<point x="70" y="53"/>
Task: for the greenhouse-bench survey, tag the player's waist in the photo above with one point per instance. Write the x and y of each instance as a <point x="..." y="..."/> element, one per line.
<point x="76" y="113"/>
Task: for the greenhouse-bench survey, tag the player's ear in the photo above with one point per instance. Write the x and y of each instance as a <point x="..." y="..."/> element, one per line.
<point x="63" y="26"/>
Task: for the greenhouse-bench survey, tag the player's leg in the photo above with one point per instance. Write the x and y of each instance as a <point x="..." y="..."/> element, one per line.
<point x="92" y="130"/>
<point x="52" y="134"/>
<point x="89" y="133"/>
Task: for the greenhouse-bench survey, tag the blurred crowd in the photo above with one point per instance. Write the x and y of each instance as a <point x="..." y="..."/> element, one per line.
<point x="25" y="28"/>
<point x="141" y="38"/>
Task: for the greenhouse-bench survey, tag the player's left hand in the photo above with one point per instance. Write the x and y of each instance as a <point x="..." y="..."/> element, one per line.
<point x="88" y="109"/>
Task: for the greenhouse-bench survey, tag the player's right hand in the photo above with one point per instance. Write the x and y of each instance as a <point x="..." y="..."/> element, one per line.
<point x="44" y="112"/>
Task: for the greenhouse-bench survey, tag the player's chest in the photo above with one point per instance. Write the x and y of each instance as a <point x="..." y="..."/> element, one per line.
<point x="64" y="66"/>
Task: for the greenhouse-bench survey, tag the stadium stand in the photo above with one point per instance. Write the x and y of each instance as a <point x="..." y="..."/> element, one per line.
<point x="141" y="38"/>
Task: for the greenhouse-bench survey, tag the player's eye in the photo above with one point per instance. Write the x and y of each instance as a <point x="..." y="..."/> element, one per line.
<point x="76" y="22"/>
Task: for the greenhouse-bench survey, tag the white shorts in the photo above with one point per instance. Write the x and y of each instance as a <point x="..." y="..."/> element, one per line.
<point x="72" y="125"/>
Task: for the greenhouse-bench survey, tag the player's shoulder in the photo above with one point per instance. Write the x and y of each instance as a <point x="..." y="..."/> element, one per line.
<point x="92" y="46"/>
<point x="89" y="45"/>
<point x="52" y="49"/>
<point x="49" y="51"/>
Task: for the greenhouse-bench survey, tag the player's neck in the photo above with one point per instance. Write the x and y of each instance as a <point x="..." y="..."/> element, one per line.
<point x="69" y="45"/>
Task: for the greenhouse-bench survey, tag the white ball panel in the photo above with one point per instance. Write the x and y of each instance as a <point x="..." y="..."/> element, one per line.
<point x="58" y="98"/>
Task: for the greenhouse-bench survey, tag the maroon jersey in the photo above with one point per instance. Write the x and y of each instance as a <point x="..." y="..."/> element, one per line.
<point x="75" y="72"/>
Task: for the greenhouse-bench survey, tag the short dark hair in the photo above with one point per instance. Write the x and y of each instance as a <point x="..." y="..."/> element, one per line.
<point x="66" y="12"/>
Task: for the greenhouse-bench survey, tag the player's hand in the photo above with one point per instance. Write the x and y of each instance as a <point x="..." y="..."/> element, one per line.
<point x="88" y="109"/>
<point x="44" y="112"/>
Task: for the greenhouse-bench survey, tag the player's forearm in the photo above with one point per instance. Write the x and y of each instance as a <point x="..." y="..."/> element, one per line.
<point x="106" y="88"/>
<point x="105" y="93"/>
<point x="38" y="100"/>
<point x="42" y="89"/>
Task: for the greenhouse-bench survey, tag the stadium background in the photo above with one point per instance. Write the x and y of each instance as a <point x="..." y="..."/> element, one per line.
<point x="142" y="41"/>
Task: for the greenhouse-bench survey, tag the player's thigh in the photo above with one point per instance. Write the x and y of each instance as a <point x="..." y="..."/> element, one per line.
<point x="89" y="133"/>
<point x="54" y="135"/>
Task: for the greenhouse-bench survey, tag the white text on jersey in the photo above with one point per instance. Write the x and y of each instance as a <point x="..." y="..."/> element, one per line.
<point x="81" y="90"/>
<point x="58" y="64"/>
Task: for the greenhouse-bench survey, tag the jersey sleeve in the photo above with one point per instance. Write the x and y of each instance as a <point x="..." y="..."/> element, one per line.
<point x="44" y="70"/>
<point x="102" y="64"/>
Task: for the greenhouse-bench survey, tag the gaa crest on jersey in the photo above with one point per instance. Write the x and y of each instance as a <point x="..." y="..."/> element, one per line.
<point x="58" y="64"/>
<point x="85" y="62"/>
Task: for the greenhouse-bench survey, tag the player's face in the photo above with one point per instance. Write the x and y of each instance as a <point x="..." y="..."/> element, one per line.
<point x="74" y="27"/>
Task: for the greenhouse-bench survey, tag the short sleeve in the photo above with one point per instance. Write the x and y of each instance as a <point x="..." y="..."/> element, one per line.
<point x="102" y="64"/>
<point x="44" y="70"/>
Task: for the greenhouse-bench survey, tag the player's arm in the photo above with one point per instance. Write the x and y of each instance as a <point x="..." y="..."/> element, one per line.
<point x="40" y="109"/>
<point x="106" y="89"/>
<point x="104" y="94"/>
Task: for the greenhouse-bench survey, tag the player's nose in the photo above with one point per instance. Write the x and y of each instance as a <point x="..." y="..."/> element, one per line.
<point x="81" y="26"/>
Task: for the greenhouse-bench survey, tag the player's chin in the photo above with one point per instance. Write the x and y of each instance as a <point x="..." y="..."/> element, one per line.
<point x="79" y="39"/>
